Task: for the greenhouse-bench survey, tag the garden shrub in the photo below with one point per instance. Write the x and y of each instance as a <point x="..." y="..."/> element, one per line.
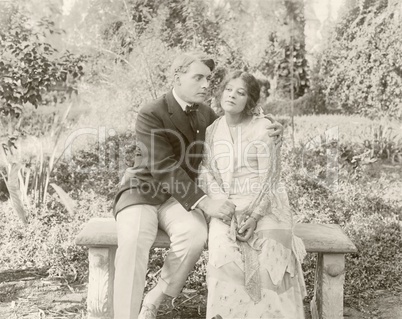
<point x="358" y="203"/>
<point x="378" y="263"/>
<point x="372" y="223"/>
<point x="360" y="68"/>
<point x="99" y="167"/>
<point x="48" y="240"/>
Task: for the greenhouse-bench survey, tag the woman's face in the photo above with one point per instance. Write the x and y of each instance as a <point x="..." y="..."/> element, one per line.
<point x="234" y="97"/>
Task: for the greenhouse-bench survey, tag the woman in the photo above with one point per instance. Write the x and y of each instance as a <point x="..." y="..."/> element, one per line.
<point x="254" y="268"/>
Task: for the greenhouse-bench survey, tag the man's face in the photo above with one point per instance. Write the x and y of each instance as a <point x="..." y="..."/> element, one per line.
<point x="192" y="86"/>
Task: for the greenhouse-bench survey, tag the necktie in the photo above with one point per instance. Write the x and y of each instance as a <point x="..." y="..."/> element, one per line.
<point x="191" y="112"/>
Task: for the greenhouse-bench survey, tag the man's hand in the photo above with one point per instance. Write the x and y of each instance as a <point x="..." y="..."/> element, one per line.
<point x="246" y="229"/>
<point x="222" y="209"/>
<point x="277" y="130"/>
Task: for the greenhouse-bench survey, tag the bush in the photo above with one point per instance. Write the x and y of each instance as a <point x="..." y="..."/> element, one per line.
<point x="305" y="105"/>
<point x="357" y="75"/>
<point x="370" y="221"/>
<point x="378" y="263"/>
<point x="100" y="167"/>
<point x="47" y="241"/>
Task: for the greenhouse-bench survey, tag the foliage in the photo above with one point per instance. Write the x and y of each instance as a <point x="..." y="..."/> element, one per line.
<point x="309" y="103"/>
<point x="188" y="25"/>
<point x="48" y="239"/>
<point x="30" y="65"/>
<point x="102" y="166"/>
<point x="30" y="68"/>
<point x="28" y="180"/>
<point x="371" y="223"/>
<point x="357" y="205"/>
<point x="14" y="191"/>
<point x="314" y="100"/>
<point x="355" y="199"/>
<point x="378" y="264"/>
<point x="293" y="69"/>
<point x="361" y="141"/>
<point x="219" y="31"/>
<point x="180" y="25"/>
<point x="360" y="69"/>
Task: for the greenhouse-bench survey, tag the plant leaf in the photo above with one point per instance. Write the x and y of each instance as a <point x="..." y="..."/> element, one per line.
<point x="65" y="199"/>
<point x="13" y="187"/>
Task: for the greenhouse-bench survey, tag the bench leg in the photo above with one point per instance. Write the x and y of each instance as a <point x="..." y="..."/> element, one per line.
<point x="327" y="302"/>
<point x="100" y="285"/>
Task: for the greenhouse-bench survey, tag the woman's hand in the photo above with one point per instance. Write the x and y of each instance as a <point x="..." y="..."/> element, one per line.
<point x="246" y="229"/>
<point x="277" y="130"/>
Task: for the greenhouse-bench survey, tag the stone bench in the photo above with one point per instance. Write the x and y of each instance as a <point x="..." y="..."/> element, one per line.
<point x="328" y="241"/>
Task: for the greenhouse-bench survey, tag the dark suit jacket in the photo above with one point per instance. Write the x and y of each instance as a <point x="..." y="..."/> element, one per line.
<point x="168" y="156"/>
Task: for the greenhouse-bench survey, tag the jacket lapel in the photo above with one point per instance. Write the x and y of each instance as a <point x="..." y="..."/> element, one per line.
<point x="178" y="117"/>
<point x="201" y="132"/>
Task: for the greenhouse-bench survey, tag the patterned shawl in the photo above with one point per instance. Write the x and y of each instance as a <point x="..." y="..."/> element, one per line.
<point x="261" y="204"/>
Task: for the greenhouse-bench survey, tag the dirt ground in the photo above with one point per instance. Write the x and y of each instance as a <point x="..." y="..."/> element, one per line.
<point x="30" y="295"/>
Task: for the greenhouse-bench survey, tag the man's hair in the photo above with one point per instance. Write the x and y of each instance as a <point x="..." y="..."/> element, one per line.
<point x="183" y="61"/>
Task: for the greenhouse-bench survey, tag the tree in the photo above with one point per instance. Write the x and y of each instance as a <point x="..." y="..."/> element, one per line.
<point x="30" y="66"/>
<point x="292" y="69"/>
<point x="361" y="69"/>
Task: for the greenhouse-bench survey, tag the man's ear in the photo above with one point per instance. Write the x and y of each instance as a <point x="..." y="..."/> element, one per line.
<point x="176" y="80"/>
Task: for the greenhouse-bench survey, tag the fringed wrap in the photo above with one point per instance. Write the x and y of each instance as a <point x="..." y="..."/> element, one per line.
<point x="263" y="204"/>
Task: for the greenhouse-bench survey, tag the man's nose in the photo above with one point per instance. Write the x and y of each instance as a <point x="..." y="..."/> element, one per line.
<point x="205" y="83"/>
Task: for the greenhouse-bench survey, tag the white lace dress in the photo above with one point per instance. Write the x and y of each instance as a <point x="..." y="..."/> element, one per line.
<point x="261" y="278"/>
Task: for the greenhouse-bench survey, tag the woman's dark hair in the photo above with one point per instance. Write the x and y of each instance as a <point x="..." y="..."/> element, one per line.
<point x="252" y="88"/>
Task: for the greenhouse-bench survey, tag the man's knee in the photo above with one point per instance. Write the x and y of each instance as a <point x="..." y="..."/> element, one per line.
<point x="193" y="236"/>
<point x="199" y="237"/>
<point x="132" y="241"/>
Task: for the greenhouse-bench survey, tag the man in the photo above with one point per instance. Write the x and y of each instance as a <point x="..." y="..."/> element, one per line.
<point x="160" y="191"/>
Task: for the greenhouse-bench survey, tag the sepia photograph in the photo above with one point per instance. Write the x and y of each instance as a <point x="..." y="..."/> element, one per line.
<point x="200" y="159"/>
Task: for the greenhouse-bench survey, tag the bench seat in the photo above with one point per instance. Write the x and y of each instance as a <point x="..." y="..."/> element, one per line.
<point x="327" y="240"/>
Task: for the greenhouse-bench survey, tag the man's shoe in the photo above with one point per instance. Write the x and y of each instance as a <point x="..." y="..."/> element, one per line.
<point x="148" y="312"/>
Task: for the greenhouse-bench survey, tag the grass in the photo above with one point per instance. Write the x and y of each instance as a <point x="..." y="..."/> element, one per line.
<point x="352" y="129"/>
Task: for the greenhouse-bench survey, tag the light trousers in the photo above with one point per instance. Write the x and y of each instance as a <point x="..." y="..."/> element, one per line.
<point x="137" y="228"/>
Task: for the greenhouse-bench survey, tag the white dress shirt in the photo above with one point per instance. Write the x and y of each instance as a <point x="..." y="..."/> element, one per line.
<point x="183" y="105"/>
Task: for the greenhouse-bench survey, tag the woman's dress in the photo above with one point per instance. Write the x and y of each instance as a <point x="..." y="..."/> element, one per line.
<point x="261" y="278"/>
